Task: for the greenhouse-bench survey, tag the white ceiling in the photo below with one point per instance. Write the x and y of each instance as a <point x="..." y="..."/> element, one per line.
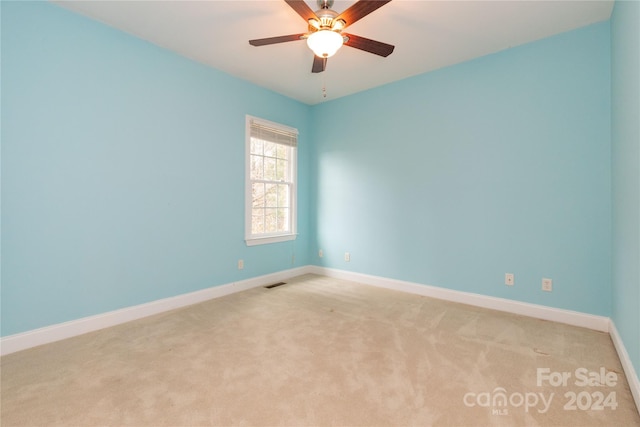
<point x="427" y="35"/>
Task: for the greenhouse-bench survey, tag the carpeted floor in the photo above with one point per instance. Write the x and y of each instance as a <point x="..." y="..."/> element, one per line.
<point x="321" y="352"/>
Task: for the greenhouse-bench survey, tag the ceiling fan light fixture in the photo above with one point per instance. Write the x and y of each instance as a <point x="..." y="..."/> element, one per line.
<point x="325" y="43"/>
<point x="314" y="23"/>
<point x="338" y="25"/>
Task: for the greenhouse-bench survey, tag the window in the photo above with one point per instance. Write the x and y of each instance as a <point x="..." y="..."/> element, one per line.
<point x="270" y="182"/>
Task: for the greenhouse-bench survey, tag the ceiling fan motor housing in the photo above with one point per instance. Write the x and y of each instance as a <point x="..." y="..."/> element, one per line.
<point x="326" y="17"/>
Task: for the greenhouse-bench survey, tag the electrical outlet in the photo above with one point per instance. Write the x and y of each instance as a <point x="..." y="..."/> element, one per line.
<point x="240" y="264"/>
<point x="547" y="285"/>
<point x="347" y="256"/>
<point x="509" y="279"/>
<point x="320" y="253"/>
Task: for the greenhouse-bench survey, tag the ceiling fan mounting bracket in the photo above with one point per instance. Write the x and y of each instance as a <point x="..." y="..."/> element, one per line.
<point x="325" y="4"/>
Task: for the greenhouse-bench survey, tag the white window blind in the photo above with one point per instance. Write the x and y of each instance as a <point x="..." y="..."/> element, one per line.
<point x="264" y="132"/>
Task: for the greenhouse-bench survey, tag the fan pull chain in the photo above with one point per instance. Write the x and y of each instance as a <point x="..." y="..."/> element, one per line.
<point x="324" y="86"/>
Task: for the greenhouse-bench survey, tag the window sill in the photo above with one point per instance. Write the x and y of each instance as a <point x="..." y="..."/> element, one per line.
<point x="271" y="239"/>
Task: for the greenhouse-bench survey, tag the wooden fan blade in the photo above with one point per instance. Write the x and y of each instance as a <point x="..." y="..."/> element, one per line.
<point x="301" y="9"/>
<point x="360" y="10"/>
<point x="274" y="40"/>
<point x="319" y="64"/>
<point x="368" y="45"/>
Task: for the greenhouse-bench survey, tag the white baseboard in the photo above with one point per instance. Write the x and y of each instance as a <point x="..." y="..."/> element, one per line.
<point x="629" y="371"/>
<point x="60" y="331"/>
<point x="598" y="323"/>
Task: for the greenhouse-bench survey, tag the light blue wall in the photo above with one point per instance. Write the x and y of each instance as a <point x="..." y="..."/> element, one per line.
<point x="455" y="177"/>
<point x="122" y="173"/>
<point x="625" y="112"/>
<point x="122" y="170"/>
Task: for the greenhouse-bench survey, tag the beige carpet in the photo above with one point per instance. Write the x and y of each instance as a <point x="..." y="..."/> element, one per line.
<point x="317" y="352"/>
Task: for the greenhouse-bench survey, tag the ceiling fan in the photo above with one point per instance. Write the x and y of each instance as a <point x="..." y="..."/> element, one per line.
<point x="325" y="27"/>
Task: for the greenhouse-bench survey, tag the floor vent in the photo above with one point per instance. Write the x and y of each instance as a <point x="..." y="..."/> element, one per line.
<point x="275" y="285"/>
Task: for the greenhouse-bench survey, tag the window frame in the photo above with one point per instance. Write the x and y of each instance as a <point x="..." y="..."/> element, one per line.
<point x="266" y="238"/>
